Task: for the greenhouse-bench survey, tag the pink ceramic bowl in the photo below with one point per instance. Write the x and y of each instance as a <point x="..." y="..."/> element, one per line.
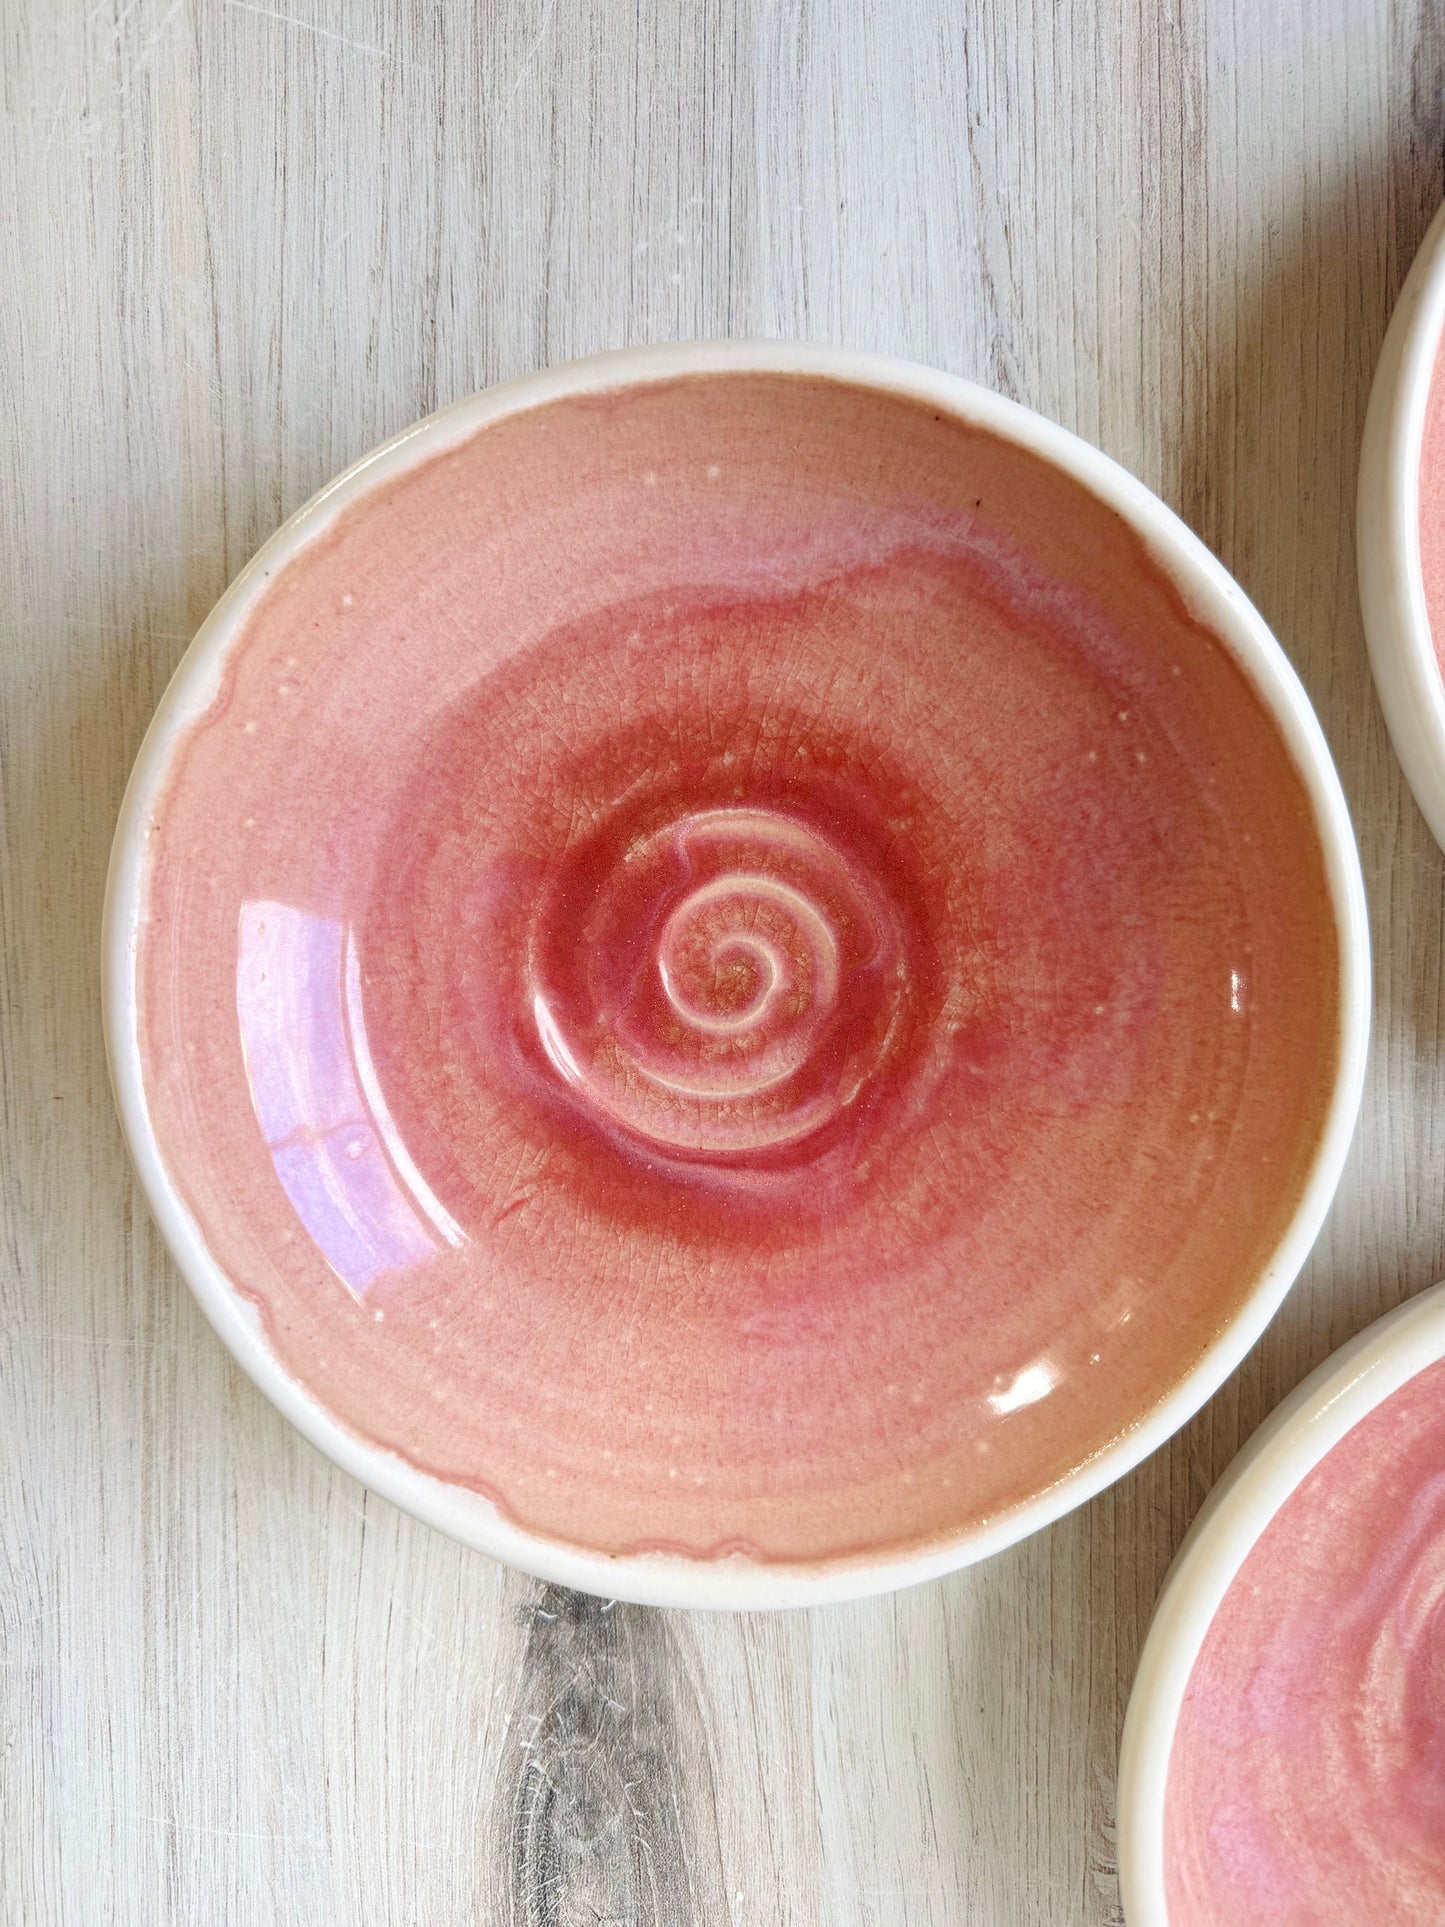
<point x="736" y="973"/>
<point x="1281" y="1756"/>
<point x="1400" y="528"/>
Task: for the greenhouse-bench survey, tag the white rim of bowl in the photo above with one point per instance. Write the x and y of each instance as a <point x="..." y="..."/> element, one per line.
<point x="1387" y="531"/>
<point x="1266" y="1472"/>
<point x="736" y="1583"/>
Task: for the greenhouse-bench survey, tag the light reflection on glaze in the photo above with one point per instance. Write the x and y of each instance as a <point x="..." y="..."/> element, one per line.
<point x="827" y="964"/>
<point x="1307" y="1781"/>
<point x="334" y="1144"/>
<point x="1027" y="1387"/>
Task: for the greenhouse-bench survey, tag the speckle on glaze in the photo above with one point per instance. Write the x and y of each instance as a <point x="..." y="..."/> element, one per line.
<point x="1307" y="1776"/>
<point x="746" y="911"/>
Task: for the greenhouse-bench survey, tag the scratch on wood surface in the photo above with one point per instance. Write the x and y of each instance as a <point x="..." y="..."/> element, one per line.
<point x="141" y="61"/>
<point x="530" y="55"/>
<point x="308" y="26"/>
<point x="1104" y="1851"/>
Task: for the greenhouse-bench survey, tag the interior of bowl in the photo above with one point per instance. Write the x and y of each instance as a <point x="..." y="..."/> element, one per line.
<point x="1425" y="372"/>
<point x="729" y="965"/>
<point x="1283" y="1755"/>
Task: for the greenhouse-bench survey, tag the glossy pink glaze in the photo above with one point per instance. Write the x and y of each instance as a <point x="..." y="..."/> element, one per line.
<point x="1307" y="1779"/>
<point x="1432" y="508"/>
<point x="732" y="969"/>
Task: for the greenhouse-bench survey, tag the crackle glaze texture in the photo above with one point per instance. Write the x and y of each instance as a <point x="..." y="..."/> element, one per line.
<point x="1307" y="1781"/>
<point x="731" y="968"/>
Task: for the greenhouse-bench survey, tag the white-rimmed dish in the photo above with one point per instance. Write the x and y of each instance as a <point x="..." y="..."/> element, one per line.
<point x="1349" y="1387"/>
<point x="1402" y="647"/>
<point x="737" y="1580"/>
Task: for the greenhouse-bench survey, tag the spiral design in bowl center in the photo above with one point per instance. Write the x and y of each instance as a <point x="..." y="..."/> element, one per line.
<point x="720" y="986"/>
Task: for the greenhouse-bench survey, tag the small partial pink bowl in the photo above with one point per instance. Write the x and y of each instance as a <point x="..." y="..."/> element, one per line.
<point x="1403" y="651"/>
<point x="1286" y="1449"/>
<point x="739" y="1581"/>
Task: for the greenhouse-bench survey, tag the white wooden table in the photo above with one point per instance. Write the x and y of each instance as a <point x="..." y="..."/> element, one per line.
<point x="241" y="242"/>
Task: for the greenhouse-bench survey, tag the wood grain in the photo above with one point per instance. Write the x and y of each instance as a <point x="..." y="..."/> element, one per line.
<point x="239" y="243"/>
